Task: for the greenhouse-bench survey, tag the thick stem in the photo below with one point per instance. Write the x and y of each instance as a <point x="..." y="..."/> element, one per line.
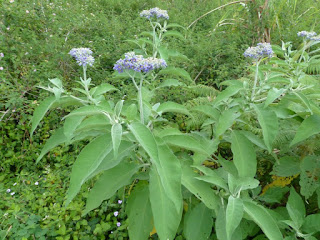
<point x="255" y="81"/>
<point x="140" y="101"/>
<point x="303" y="50"/>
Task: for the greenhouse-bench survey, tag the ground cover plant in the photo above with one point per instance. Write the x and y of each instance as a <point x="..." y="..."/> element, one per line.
<point x="239" y="163"/>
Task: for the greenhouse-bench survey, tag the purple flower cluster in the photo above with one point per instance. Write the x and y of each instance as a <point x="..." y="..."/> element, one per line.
<point x="138" y="63"/>
<point x="261" y="50"/>
<point x="83" y="56"/>
<point x="306" y="34"/>
<point x="154" y="12"/>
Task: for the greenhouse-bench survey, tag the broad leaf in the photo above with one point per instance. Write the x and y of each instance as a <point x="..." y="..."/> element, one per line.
<point x="109" y="182"/>
<point x="70" y="125"/>
<point x="146" y="139"/>
<point x="227" y="93"/>
<point x="263" y="218"/>
<point x="211" y="177"/>
<point x="287" y="166"/>
<point x="101" y="89"/>
<point x="312" y="223"/>
<point x="88" y="160"/>
<point x="226" y="120"/>
<point x="254" y="139"/>
<point x="200" y="189"/>
<point x="198" y="223"/>
<point x="310" y="174"/>
<point x="172" y="71"/>
<point x="169" y="170"/>
<point x="244" y="156"/>
<point x="173" y="34"/>
<point x="296" y="208"/>
<point x="310" y="126"/>
<point x="165" y="215"/>
<point x="173" y="107"/>
<point x="40" y="111"/>
<point x="186" y="142"/>
<point x="56" y="139"/>
<point x="234" y="213"/>
<point x="170" y="83"/>
<point x="220" y="224"/>
<point x="139" y="213"/>
<point x="273" y="94"/>
<point x="116" y="135"/>
<point x="268" y="121"/>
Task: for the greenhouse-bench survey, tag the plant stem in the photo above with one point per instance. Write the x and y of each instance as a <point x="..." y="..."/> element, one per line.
<point x="255" y="81"/>
<point x="140" y="101"/>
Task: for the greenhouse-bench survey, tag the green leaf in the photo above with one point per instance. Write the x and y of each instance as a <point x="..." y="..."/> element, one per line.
<point x="208" y="111"/>
<point x="56" y="139"/>
<point x="254" y="139"/>
<point x="101" y="89"/>
<point x="40" y="111"/>
<point x="145" y="139"/>
<point x="173" y="107"/>
<point x="263" y="218"/>
<point x="304" y="100"/>
<point x="312" y="223"/>
<point x="296" y="208"/>
<point x="244" y="156"/>
<point x="211" y="177"/>
<point x="227" y="93"/>
<point x="172" y="71"/>
<point x="87" y="111"/>
<point x="131" y="112"/>
<point x="200" y="189"/>
<point x="273" y="94"/>
<point x="139" y="213"/>
<point x="310" y="174"/>
<point x="109" y="182"/>
<point x="173" y="34"/>
<point x="165" y="215"/>
<point x="310" y="126"/>
<point x="234" y="213"/>
<point x="169" y="170"/>
<point x="269" y="123"/>
<point x="118" y="108"/>
<point x="116" y="135"/>
<point x="198" y="223"/>
<point x="220" y="225"/>
<point x="88" y="160"/>
<point x="170" y="83"/>
<point x="286" y="166"/>
<point x="226" y="120"/>
<point x="172" y="25"/>
<point x="186" y="142"/>
<point x="70" y="125"/>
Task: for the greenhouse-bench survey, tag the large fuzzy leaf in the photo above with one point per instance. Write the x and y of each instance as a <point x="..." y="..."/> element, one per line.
<point x="109" y="182"/>
<point x="173" y="107"/>
<point x="139" y="212"/>
<point x="116" y="135"/>
<point x="198" y="223"/>
<point x="88" y="160"/>
<point x="40" y="111"/>
<point x="71" y="124"/>
<point x="296" y="208"/>
<point x="234" y="213"/>
<point x="56" y="139"/>
<point x="268" y="121"/>
<point x="309" y="127"/>
<point x="244" y="156"/>
<point x="226" y="120"/>
<point x="200" y="189"/>
<point x="165" y="215"/>
<point x="263" y="218"/>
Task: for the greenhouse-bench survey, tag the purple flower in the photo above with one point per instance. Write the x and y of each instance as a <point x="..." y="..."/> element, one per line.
<point x="83" y="56"/>
<point x="119" y="201"/>
<point x="118" y="224"/>
<point x="138" y="63"/>
<point x="261" y="50"/>
<point x="306" y="34"/>
<point x="1" y="55"/>
<point x="1" y="68"/>
<point x="116" y="213"/>
<point x="155" y="12"/>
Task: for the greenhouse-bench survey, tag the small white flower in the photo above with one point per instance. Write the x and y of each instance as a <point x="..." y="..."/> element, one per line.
<point x="12" y="193"/>
<point x="6" y="214"/>
<point x="8" y="190"/>
<point x="34" y="70"/>
<point x="36" y="183"/>
<point x="8" y="28"/>
<point x="53" y="14"/>
<point x="14" y="184"/>
<point x="27" y="11"/>
<point x="1" y="68"/>
<point x="11" y="1"/>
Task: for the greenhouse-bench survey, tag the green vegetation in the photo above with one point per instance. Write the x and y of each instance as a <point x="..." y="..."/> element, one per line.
<point x="175" y="130"/>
